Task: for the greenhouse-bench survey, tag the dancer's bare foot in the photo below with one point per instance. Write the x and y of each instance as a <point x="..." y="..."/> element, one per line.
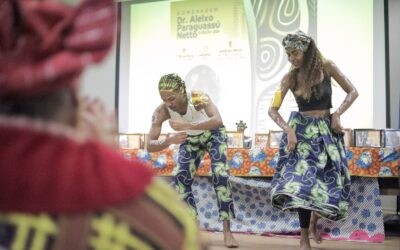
<point x="229" y="240"/>
<point x="313" y="228"/>
<point x="304" y="240"/>
<point x="305" y="245"/>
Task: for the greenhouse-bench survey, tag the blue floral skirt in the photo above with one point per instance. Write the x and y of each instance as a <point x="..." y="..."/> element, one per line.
<point x="315" y="175"/>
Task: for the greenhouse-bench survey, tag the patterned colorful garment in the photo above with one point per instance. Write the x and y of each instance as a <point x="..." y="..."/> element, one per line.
<point x="61" y="193"/>
<point x="130" y="225"/>
<point x="315" y="175"/>
<point x="191" y="152"/>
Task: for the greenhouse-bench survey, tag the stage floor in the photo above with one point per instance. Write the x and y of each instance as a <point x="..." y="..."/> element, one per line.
<point x="254" y="242"/>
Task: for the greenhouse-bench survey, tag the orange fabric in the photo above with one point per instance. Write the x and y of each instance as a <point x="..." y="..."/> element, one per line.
<point x="357" y="157"/>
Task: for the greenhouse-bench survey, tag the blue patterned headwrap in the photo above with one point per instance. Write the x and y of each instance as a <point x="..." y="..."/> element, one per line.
<point x="298" y="40"/>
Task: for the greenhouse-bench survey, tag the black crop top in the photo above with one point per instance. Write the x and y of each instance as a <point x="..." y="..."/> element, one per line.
<point x="321" y="96"/>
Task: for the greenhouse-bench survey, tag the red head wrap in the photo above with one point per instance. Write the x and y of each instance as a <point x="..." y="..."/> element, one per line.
<point x="45" y="45"/>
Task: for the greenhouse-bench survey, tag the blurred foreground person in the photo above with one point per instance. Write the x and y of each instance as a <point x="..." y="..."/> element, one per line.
<point x="62" y="185"/>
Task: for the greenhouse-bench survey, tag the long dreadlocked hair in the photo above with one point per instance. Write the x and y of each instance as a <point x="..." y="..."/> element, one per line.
<point x="172" y="82"/>
<point x="313" y="65"/>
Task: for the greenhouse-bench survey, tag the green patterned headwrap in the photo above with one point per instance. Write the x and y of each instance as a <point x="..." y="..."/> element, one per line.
<point x="298" y="40"/>
<point x="171" y="82"/>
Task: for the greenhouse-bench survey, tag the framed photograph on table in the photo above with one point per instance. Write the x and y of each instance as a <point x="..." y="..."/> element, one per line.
<point x="261" y="140"/>
<point x="235" y="139"/>
<point x="370" y="138"/>
<point x="348" y="137"/>
<point x="391" y="138"/>
<point x="275" y="138"/>
<point x="130" y="141"/>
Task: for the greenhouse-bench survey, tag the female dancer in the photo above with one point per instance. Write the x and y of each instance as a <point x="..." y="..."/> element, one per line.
<point x="312" y="174"/>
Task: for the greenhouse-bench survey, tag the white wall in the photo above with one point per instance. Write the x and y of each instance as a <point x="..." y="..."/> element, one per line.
<point x="394" y="51"/>
<point x="389" y="201"/>
<point x="99" y="80"/>
<point x="379" y="76"/>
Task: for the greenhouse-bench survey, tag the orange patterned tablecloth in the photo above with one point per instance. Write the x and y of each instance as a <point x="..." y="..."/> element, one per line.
<point x="369" y="162"/>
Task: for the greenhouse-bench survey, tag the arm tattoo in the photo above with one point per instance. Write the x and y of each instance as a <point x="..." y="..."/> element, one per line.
<point x="351" y="95"/>
<point x="156" y="117"/>
<point x="278" y="120"/>
<point x="347" y="102"/>
<point x="156" y="142"/>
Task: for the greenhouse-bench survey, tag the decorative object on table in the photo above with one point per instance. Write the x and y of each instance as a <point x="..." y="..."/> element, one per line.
<point x="391" y="138"/>
<point x="146" y="138"/>
<point x="371" y="138"/>
<point x="348" y="137"/>
<point x="261" y="140"/>
<point x="275" y="138"/>
<point x="130" y="141"/>
<point x="235" y="139"/>
<point x="241" y="126"/>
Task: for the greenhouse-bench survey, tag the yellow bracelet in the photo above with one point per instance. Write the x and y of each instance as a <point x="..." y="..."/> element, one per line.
<point x="199" y="98"/>
<point x="277" y="100"/>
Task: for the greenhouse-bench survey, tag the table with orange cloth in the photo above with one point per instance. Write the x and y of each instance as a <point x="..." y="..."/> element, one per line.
<point x="257" y="162"/>
<point x="254" y="212"/>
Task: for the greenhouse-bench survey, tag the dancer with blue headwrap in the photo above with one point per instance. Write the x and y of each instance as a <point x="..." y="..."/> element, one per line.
<point x="312" y="175"/>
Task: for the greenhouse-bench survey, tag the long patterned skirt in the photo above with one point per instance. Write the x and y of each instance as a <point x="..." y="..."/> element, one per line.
<point x="315" y="175"/>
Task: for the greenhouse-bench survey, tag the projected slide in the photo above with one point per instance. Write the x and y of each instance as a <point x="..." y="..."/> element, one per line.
<point x="232" y="50"/>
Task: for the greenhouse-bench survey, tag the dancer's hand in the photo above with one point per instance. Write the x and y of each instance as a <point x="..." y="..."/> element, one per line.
<point x="94" y="122"/>
<point x="177" y="138"/>
<point x="335" y="125"/>
<point x="292" y="140"/>
<point x="179" y="126"/>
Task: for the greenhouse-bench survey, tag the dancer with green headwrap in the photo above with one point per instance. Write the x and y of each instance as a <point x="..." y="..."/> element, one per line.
<point x="200" y="129"/>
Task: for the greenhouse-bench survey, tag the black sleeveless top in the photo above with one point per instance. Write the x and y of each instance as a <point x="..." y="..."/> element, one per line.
<point x="321" y="96"/>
